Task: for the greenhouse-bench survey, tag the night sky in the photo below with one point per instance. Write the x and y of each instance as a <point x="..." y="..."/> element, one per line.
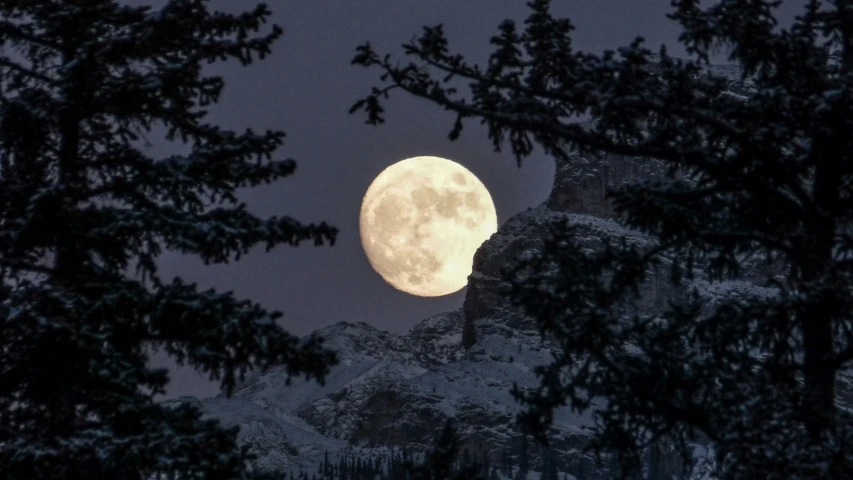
<point x="305" y="89"/>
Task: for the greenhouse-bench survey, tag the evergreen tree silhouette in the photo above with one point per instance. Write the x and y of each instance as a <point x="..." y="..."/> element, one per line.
<point x="549" y="465"/>
<point x="85" y="212"/>
<point x="523" y="457"/>
<point x="487" y="466"/>
<point x="469" y="334"/>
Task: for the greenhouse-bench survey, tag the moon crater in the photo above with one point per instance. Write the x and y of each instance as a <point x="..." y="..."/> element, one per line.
<point x="421" y="221"/>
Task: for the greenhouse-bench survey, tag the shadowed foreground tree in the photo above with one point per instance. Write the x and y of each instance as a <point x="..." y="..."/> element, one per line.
<point x="765" y="173"/>
<point x="85" y="212"/>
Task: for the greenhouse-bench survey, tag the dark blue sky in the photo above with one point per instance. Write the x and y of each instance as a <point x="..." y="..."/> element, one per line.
<point x="306" y="87"/>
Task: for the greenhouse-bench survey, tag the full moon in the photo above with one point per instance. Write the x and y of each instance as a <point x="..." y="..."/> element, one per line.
<point x="421" y="221"/>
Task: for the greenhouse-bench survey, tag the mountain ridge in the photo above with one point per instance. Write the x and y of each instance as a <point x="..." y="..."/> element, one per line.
<point x="394" y="390"/>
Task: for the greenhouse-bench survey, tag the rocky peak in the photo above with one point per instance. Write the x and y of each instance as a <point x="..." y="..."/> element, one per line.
<point x="580" y="185"/>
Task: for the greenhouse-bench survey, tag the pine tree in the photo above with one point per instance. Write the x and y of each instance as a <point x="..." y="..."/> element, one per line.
<point x="506" y="461"/>
<point x="342" y="468"/>
<point x="549" y="465"/>
<point x="353" y="469"/>
<point x="368" y="468"/>
<point x="487" y="465"/>
<point x="523" y="457"/>
<point x="393" y="466"/>
<point x="84" y="214"/>
<point x="377" y="465"/>
<point x="401" y="471"/>
<point x="655" y="463"/>
<point x="469" y="334"/>
<point x="752" y="173"/>
<point x="327" y="467"/>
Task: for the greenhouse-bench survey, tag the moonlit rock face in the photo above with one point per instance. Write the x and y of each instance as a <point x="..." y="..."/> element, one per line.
<point x="421" y="221"/>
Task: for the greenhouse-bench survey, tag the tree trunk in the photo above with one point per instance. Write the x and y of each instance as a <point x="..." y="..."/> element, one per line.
<point x="67" y="262"/>
<point x="816" y="265"/>
<point x="816" y="324"/>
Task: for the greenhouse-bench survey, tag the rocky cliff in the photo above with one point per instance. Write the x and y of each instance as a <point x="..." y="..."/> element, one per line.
<point x="580" y="185"/>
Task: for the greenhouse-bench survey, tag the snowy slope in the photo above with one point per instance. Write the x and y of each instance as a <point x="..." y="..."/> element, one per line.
<point x="395" y="390"/>
<point x="398" y="390"/>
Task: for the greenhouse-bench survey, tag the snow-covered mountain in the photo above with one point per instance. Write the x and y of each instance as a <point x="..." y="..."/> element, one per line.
<point x="397" y="390"/>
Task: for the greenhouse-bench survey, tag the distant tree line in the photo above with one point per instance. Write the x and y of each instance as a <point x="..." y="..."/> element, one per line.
<point x="444" y="460"/>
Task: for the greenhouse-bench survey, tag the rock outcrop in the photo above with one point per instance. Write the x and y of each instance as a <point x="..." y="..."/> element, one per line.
<point x="580" y="185"/>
